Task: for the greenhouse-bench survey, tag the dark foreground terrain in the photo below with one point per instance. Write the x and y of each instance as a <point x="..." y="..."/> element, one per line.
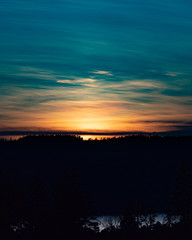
<point x="52" y="187"/>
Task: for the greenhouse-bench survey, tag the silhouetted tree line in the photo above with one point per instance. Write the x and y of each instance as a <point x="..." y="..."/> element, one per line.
<point x="67" y="212"/>
<point x="151" y="138"/>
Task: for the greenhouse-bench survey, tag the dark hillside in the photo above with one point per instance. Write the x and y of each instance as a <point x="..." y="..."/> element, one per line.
<point x="116" y="171"/>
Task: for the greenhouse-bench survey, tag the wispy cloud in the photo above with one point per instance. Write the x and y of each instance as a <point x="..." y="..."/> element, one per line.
<point x="103" y="101"/>
<point x="77" y="80"/>
<point x="134" y="85"/>
<point x="146" y="83"/>
<point x="173" y="74"/>
<point x="99" y="72"/>
<point x="90" y="85"/>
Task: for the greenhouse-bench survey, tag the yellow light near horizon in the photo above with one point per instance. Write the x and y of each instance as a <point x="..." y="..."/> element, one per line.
<point x="97" y="116"/>
<point x="92" y="124"/>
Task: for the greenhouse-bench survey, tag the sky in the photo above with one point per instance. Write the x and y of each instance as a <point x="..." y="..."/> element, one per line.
<point x="105" y="65"/>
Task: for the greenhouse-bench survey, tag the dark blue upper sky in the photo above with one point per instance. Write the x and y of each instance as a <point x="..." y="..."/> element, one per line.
<point x="96" y="65"/>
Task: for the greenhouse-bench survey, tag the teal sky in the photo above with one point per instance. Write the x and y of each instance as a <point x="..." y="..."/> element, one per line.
<point x="110" y="65"/>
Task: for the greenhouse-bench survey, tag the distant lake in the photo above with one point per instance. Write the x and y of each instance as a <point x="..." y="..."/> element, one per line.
<point x="106" y="221"/>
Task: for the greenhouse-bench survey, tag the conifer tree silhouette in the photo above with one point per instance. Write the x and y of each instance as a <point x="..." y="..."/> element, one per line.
<point x="7" y="206"/>
<point x="39" y="215"/>
<point x="72" y="205"/>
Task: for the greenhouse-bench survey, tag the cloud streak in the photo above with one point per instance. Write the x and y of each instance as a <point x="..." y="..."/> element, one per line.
<point x="98" y="72"/>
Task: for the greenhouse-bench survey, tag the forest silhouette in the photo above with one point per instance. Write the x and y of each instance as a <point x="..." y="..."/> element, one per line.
<point x="54" y="187"/>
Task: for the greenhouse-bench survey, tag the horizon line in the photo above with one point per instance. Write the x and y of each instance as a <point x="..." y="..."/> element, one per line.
<point x="100" y="133"/>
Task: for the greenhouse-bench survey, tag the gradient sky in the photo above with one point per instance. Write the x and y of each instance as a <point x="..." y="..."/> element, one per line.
<point x="105" y="65"/>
